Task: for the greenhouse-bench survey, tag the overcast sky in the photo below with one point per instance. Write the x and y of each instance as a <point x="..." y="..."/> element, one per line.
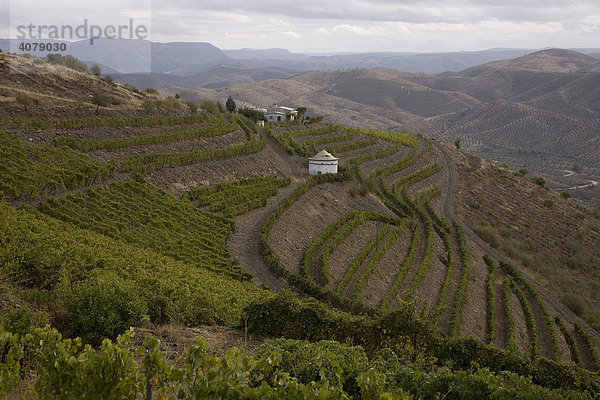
<point x="335" y="26"/>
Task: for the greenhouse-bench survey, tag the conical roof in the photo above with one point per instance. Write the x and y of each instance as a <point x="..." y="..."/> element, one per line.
<point x="323" y="156"/>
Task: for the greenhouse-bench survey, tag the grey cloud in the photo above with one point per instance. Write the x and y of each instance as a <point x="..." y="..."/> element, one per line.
<point x="450" y="11"/>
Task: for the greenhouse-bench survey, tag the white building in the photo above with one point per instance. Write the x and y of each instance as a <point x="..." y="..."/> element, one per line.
<point x="322" y="163"/>
<point x="280" y="114"/>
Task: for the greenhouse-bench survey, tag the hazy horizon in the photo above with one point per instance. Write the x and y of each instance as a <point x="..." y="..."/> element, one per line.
<point x="355" y="26"/>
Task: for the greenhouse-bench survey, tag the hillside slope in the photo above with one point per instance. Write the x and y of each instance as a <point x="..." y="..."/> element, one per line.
<point x="540" y="111"/>
<point x="167" y="221"/>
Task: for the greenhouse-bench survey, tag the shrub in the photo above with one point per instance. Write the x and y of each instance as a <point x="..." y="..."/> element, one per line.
<point x="538" y="180"/>
<point x="131" y="88"/>
<point x="100" y="99"/>
<point x="108" y="79"/>
<point x="192" y="106"/>
<point x="353" y="191"/>
<point x="151" y="91"/>
<point x="573" y="302"/>
<point x="523" y="171"/>
<point x="148" y="106"/>
<point x="67" y="61"/>
<point x="96" y="70"/>
<point x="22" y="320"/>
<point x="103" y="308"/>
<point x="25" y="101"/>
<point x="565" y="194"/>
<point x="488" y="233"/>
<point x="364" y="190"/>
<point x="548" y="203"/>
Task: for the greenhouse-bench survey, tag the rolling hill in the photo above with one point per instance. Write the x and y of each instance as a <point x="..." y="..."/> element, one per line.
<point x="540" y="111"/>
<point x="421" y="258"/>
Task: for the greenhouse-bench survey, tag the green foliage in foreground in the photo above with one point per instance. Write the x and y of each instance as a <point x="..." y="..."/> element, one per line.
<point x="280" y="369"/>
<point x="140" y="214"/>
<point x="238" y="197"/>
<point x="28" y="171"/>
<point x="286" y="316"/>
<point x="49" y="260"/>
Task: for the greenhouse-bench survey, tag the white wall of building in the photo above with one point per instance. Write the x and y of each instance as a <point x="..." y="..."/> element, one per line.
<point x="322" y="167"/>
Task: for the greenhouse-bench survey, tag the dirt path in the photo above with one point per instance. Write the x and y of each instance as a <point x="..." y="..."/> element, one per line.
<point x="451" y="189"/>
<point x="245" y="240"/>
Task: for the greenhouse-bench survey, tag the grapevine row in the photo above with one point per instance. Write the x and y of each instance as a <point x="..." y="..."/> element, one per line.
<point x="357" y="219"/>
<point x="372" y="265"/>
<point x="95" y="122"/>
<point x="351" y="146"/>
<point x="144" y="163"/>
<point x="238" y="197"/>
<point x="463" y="285"/>
<point x="27" y="171"/>
<point x="575" y="353"/>
<point x="511" y="341"/>
<point x="418" y="176"/>
<point x="534" y="345"/>
<point x="403" y="270"/>
<point x="218" y="129"/>
<point x="590" y="347"/>
<point x="550" y="323"/>
<point x="490" y="284"/>
<point x="360" y="259"/>
<point x="141" y="214"/>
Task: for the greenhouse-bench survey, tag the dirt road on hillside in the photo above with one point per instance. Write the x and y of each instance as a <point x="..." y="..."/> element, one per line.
<point x="244" y="242"/>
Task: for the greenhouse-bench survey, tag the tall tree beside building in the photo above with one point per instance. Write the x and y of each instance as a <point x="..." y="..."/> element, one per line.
<point x="230" y="104"/>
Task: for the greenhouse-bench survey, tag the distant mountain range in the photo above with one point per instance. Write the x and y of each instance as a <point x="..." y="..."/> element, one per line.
<point x="151" y="64"/>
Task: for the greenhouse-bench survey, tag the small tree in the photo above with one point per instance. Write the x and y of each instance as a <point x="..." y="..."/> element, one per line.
<point x="100" y="99"/>
<point x="301" y="111"/>
<point x="457" y="143"/>
<point x="230" y="105"/>
<point x="24" y="100"/>
<point x="177" y="96"/>
<point x="95" y="69"/>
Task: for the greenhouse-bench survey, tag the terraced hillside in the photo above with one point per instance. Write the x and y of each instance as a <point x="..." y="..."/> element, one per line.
<point x="540" y="111"/>
<point x="402" y="238"/>
<point x="174" y="221"/>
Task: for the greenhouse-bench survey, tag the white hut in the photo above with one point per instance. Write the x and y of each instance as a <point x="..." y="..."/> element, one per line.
<point x="322" y="163"/>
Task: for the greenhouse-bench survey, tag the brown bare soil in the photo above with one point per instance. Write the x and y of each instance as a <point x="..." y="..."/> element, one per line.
<point x="387" y="269"/>
<point x="312" y="213"/>
<point x="349" y="249"/>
